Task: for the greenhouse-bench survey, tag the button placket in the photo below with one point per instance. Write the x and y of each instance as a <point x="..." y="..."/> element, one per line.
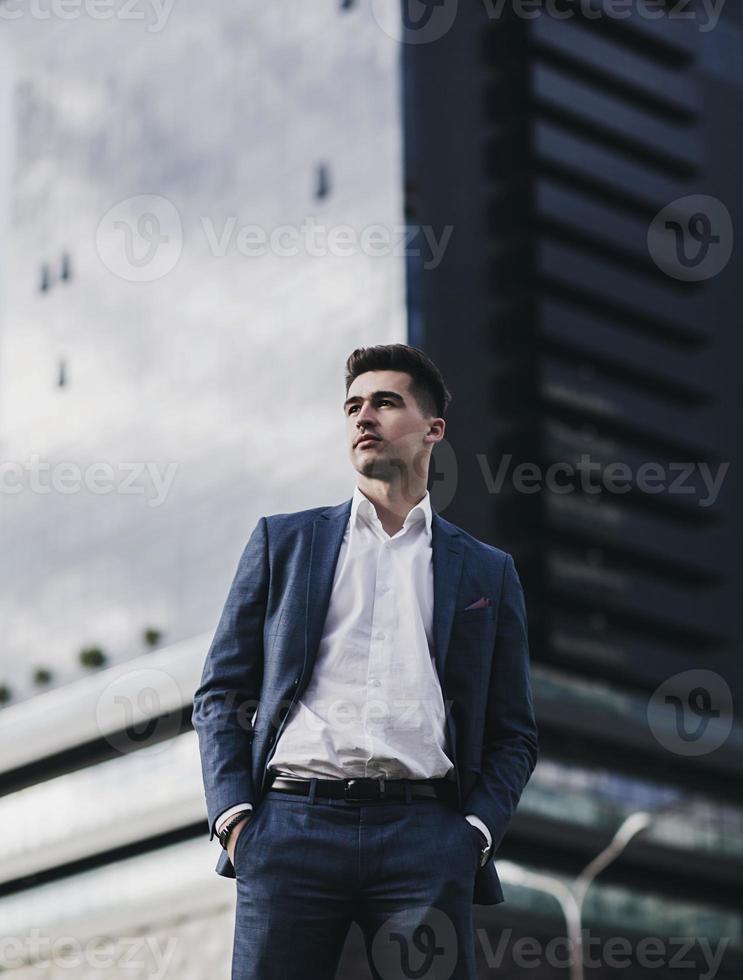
<point x="379" y="648"/>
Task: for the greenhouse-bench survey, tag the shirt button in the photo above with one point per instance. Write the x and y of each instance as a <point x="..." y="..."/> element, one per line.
<point x="380" y="635"/>
<point x="385" y="588"/>
<point x="375" y="682"/>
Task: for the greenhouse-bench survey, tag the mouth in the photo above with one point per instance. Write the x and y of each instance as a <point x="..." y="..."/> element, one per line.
<point x="366" y="442"/>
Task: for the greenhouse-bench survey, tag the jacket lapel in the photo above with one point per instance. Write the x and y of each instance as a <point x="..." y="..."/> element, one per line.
<point x="447" y="549"/>
<point x="327" y="537"/>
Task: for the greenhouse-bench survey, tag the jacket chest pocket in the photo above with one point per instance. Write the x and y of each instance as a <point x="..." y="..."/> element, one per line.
<point x="467" y="619"/>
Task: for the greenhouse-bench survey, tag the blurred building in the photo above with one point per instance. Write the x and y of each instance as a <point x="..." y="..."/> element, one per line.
<point x="151" y="335"/>
<point x="574" y="333"/>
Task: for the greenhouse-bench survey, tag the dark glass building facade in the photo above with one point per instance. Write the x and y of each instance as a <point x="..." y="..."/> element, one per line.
<point x="586" y="315"/>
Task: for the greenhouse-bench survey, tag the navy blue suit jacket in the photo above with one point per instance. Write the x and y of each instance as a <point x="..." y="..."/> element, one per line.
<point x="266" y="641"/>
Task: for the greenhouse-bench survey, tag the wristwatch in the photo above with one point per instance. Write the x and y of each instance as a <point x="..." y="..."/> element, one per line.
<point x="225" y="832"/>
<point x="484" y="849"/>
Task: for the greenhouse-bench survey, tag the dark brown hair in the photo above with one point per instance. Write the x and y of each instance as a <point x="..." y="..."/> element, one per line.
<point x="426" y="384"/>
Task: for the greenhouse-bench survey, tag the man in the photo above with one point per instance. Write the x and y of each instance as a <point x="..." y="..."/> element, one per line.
<point x="385" y="650"/>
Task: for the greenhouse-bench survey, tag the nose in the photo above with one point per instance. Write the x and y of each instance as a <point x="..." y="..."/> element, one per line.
<point x="364" y="416"/>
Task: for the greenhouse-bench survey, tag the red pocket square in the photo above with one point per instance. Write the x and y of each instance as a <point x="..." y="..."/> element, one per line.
<point x="480" y="604"/>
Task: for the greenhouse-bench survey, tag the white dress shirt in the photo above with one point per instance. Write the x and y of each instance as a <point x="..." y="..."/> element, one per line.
<point x="373" y="706"/>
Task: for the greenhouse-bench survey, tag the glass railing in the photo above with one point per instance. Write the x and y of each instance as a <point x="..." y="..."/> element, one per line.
<point x="600" y="798"/>
<point x="642" y="912"/>
<point x="564" y="690"/>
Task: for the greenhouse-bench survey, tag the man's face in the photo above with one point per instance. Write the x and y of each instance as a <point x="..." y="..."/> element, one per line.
<point x="379" y="404"/>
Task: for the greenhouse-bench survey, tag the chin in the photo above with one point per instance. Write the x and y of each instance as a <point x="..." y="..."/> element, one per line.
<point x="375" y="469"/>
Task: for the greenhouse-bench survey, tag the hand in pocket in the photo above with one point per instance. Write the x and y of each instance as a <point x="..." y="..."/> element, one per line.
<point x="232" y="840"/>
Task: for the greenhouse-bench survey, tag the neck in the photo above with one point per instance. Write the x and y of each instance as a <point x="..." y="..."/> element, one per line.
<point x="391" y="502"/>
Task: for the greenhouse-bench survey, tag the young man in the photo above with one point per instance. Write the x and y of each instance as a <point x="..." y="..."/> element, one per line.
<point x="385" y="650"/>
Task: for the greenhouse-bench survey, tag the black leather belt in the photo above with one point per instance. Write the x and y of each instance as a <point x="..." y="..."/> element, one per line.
<point x="363" y="789"/>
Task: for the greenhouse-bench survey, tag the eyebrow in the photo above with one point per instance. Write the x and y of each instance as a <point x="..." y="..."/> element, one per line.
<point x="375" y="394"/>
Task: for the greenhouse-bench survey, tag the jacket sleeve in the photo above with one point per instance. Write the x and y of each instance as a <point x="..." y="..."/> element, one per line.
<point x="510" y="746"/>
<point x="228" y="695"/>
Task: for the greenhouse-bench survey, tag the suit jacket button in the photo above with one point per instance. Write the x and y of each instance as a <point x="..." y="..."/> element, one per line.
<point x="296" y="681"/>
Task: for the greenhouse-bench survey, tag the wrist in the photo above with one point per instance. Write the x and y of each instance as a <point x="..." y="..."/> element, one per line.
<point x="226" y="833"/>
<point x="484" y="846"/>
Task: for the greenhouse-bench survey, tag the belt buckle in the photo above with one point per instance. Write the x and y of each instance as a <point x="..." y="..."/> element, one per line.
<point x="350" y="785"/>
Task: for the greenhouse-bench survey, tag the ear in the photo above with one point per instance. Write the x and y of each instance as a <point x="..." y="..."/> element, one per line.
<point x="438" y="427"/>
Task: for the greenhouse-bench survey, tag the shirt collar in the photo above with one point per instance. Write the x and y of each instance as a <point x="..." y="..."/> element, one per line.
<point x="421" y="510"/>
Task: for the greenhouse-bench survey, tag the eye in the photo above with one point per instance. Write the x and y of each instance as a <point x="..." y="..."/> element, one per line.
<point x="382" y="401"/>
